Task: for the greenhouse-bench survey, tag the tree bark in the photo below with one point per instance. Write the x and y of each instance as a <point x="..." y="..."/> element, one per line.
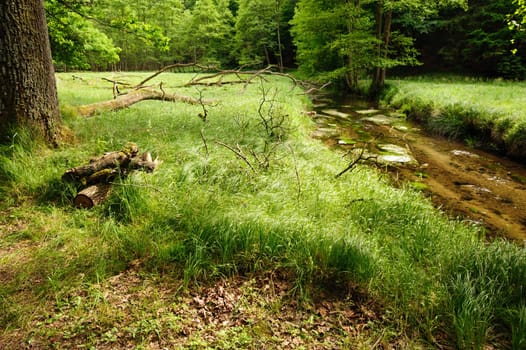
<point x="103" y="169"/>
<point x="28" y="94"/>
<point x="131" y="98"/>
<point x="92" y="195"/>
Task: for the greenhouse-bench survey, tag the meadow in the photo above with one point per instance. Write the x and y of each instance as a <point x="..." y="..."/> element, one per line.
<point x="270" y="205"/>
<point x="484" y="113"/>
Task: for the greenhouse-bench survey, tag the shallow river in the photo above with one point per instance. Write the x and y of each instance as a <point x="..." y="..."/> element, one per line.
<point x="466" y="183"/>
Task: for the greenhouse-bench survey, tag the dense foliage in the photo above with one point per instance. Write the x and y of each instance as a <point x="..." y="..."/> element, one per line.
<point x="478" y="41"/>
<point x="343" y="41"/>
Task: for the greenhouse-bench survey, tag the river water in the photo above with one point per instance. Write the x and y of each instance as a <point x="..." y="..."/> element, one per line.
<point x="466" y="183"/>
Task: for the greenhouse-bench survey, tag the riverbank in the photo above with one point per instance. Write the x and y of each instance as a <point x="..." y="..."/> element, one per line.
<point x="490" y="115"/>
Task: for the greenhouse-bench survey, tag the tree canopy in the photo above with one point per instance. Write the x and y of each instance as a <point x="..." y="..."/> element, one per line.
<point x="339" y="40"/>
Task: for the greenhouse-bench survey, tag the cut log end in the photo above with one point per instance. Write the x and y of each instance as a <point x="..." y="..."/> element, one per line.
<point x="92" y="196"/>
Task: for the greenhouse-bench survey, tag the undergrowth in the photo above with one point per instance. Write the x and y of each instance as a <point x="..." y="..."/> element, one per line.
<point x="205" y="214"/>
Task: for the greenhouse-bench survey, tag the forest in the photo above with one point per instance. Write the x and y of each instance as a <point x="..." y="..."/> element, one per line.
<point x="263" y="174"/>
<point x="339" y="40"/>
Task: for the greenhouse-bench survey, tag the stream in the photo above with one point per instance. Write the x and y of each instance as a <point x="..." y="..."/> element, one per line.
<point x="465" y="183"/>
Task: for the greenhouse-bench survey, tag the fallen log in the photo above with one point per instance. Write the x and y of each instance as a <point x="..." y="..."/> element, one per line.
<point x="92" y="195"/>
<point x="103" y="169"/>
<point x="132" y="97"/>
<point x="96" y="178"/>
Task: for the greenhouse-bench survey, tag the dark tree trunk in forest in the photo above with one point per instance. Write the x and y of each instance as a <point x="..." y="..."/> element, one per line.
<point x="383" y="33"/>
<point x="28" y="93"/>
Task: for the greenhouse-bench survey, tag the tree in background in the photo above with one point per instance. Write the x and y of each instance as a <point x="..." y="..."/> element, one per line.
<point x="349" y="39"/>
<point x="334" y="39"/>
<point x="75" y="41"/>
<point x="210" y="32"/>
<point x="520" y="12"/>
<point x="133" y="28"/>
<point x="28" y="95"/>
<point x="478" y="41"/>
<point x="257" y="29"/>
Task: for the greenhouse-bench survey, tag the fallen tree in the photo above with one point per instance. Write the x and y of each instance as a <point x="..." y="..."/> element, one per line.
<point x="95" y="179"/>
<point x="132" y="97"/>
<point x="140" y="92"/>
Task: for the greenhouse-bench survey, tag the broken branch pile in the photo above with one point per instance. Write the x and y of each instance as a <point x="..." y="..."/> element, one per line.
<point x="96" y="177"/>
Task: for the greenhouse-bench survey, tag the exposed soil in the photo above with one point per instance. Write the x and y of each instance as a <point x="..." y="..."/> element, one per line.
<point x="470" y="184"/>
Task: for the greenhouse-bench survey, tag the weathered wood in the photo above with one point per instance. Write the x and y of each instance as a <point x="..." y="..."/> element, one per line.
<point x="103" y="169"/>
<point x="132" y="97"/>
<point x="92" y="195"/>
<point x="144" y="162"/>
<point x="100" y="172"/>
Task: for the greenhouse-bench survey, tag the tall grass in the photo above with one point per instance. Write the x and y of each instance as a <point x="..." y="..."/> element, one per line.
<point x="488" y="114"/>
<point x="205" y="214"/>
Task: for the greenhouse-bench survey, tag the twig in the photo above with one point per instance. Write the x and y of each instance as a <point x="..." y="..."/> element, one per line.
<point x="162" y="90"/>
<point x="298" y="178"/>
<point x="238" y="153"/>
<point x="204" y="142"/>
<point x="205" y="111"/>
<point x="377" y="342"/>
<point x="355" y="161"/>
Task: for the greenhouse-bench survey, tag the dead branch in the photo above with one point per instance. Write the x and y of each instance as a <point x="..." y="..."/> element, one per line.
<point x="201" y="102"/>
<point x="176" y="65"/>
<point x="140" y="92"/>
<point x="298" y="178"/>
<point x="133" y="97"/>
<point x="207" y="153"/>
<point x="355" y="161"/>
<point x="238" y="152"/>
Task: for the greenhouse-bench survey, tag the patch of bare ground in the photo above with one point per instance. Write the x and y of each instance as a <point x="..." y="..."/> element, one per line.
<point x="132" y="310"/>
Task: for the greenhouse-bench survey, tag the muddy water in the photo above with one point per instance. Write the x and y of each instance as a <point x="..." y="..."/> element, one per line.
<point x="465" y="183"/>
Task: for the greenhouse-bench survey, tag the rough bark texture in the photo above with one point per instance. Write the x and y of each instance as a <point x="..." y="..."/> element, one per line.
<point x="131" y="98"/>
<point x="28" y="94"/>
<point x="103" y="169"/>
<point x="96" y="177"/>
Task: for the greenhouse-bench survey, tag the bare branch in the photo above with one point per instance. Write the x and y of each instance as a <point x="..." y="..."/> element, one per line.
<point x="355" y="161"/>
<point x="238" y="152"/>
<point x="164" y="69"/>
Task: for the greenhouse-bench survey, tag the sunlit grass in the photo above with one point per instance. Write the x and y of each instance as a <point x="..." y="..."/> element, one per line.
<point x="205" y="214"/>
<point x="491" y="112"/>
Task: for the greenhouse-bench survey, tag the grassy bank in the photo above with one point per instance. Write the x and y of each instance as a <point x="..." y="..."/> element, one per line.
<point x="127" y="272"/>
<point x="487" y="114"/>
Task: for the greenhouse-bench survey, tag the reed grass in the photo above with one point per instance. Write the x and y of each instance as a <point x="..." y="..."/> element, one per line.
<point x="487" y="114"/>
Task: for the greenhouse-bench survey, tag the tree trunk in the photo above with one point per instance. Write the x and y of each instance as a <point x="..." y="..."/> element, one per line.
<point x="383" y="33"/>
<point x="278" y="31"/>
<point x="28" y="94"/>
<point x="387" y="41"/>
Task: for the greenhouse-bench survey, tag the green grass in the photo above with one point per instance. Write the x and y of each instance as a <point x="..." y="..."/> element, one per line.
<point x="488" y="114"/>
<point x="206" y="215"/>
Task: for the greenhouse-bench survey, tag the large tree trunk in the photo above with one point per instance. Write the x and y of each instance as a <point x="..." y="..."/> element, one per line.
<point x="28" y="94"/>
